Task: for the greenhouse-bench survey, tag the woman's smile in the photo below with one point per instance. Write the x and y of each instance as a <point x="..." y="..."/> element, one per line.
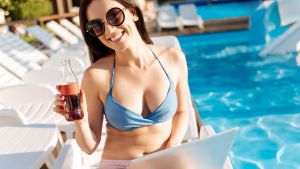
<point x="116" y="37"/>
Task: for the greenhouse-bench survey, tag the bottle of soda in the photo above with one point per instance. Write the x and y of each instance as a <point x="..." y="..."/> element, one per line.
<point x="69" y="88"/>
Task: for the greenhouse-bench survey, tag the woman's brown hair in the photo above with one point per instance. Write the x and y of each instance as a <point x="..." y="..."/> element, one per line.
<point x="97" y="49"/>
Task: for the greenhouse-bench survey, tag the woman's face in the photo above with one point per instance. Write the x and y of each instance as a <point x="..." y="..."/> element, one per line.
<point x="114" y="37"/>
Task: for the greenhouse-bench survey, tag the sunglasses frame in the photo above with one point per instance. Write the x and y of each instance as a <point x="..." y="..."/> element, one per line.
<point x="88" y="27"/>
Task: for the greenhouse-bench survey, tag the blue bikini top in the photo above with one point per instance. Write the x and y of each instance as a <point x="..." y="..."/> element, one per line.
<point x="122" y="118"/>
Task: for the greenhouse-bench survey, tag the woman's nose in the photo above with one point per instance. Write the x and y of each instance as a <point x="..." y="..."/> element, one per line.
<point x="109" y="29"/>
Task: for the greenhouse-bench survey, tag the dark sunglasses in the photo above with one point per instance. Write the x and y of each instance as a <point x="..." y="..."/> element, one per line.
<point x="115" y="17"/>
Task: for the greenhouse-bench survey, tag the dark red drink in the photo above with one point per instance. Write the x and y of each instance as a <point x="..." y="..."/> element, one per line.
<point x="72" y="97"/>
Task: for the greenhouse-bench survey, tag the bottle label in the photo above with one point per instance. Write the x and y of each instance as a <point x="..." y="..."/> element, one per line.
<point x="69" y="89"/>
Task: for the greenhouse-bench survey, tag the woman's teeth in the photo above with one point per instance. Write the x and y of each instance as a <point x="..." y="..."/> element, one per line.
<point x="116" y="37"/>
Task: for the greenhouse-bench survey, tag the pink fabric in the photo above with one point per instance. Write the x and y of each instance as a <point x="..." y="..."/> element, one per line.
<point x="113" y="164"/>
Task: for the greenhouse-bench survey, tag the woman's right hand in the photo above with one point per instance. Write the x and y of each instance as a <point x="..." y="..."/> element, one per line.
<point x="59" y="103"/>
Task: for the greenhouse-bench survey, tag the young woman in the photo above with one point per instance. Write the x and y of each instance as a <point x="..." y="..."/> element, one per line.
<point x="140" y="88"/>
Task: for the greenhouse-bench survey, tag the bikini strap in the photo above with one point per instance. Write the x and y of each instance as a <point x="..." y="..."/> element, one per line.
<point x="160" y="63"/>
<point x="112" y="77"/>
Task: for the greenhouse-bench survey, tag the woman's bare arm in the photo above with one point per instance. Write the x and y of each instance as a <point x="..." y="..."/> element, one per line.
<point x="180" y="120"/>
<point x="88" y="130"/>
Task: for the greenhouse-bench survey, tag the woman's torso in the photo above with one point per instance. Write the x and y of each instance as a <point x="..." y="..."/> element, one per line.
<point x="140" y="92"/>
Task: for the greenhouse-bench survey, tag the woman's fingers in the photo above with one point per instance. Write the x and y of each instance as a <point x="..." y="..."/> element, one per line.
<point x="59" y="104"/>
<point x="60" y="110"/>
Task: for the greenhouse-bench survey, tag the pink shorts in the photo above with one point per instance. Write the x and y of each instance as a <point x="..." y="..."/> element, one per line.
<point x="113" y="164"/>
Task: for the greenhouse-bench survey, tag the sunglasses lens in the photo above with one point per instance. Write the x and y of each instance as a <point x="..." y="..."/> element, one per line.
<point x="115" y="16"/>
<point x="96" y="27"/>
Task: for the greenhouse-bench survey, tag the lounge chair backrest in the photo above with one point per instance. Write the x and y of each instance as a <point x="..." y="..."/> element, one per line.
<point x="45" y="37"/>
<point x="18" y="66"/>
<point x="170" y="41"/>
<point x="167" y="12"/>
<point x="7" y="78"/>
<point x="62" y="32"/>
<point x="76" y="20"/>
<point x="55" y="63"/>
<point x="24" y="94"/>
<point x="73" y="28"/>
<point x="188" y="10"/>
<point x="50" y="77"/>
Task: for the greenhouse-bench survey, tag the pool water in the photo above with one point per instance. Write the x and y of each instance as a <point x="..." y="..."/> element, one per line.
<point x="232" y="86"/>
<point x="227" y="10"/>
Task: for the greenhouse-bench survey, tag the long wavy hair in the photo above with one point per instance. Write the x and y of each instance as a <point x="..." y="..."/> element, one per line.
<point x="97" y="49"/>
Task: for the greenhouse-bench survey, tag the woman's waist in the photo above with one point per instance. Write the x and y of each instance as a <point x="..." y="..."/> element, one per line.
<point x="133" y="145"/>
<point x="129" y="151"/>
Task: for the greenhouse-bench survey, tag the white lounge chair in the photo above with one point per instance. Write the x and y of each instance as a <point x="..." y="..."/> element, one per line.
<point x="17" y="56"/>
<point x="57" y="47"/>
<point x="170" y="41"/>
<point x="76" y="63"/>
<point x="76" y="20"/>
<point x="20" y="50"/>
<point x="167" y="18"/>
<point x="63" y="33"/>
<point x="11" y="117"/>
<point x="35" y="103"/>
<point x="27" y="146"/>
<point x="188" y="15"/>
<point x="69" y="157"/>
<point x="45" y="37"/>
<point x="7" y="78"/>
<point x="44" y="76"/>
<point x="71" y="27"/>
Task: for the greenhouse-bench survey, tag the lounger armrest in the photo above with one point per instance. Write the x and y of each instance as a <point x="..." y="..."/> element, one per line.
<point x="209" y="131"/>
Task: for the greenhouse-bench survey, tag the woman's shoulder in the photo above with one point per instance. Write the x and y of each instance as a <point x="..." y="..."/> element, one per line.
<point x="169" y="55"/>
<point x="100" y="69"/>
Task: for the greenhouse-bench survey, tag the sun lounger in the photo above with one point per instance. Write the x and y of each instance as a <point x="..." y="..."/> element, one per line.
<point x="17" y="56"/>
<point x="44" y="76"/>
<point x="35" y="103"/>
<point x="7" y="78"/>
<point x="62" y="33"/>
<point x="27" y="146"/>
<point x="18" y="49"/>
<point x="71" y="27"/>
<point x="167" y="18"/>
<point x="57" y="47"/>
<point x="188" y="15"/>
<point x="76" y="20"/>
<point x="11" y="117"/>
<point x="45" y="37"/>
<point x="76" y="63"/>
<point x="170" y="41"/>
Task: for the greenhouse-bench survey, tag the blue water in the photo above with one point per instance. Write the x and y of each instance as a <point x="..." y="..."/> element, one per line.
<point x="232" y="87"/>
<point x="227" y="10"/>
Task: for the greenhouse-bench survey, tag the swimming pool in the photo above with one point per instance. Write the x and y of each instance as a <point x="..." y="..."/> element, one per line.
<point x="232" y="86"/>
<point x="227" y="10"/>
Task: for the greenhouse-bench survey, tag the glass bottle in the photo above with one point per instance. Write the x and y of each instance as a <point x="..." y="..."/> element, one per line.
<point x="69" y="88"/>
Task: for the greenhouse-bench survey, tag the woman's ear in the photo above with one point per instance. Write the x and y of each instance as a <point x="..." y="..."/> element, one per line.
<point x="134" y="14"/>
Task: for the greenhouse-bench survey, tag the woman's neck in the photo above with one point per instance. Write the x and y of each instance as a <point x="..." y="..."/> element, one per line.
<point x="135" y="56"/>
